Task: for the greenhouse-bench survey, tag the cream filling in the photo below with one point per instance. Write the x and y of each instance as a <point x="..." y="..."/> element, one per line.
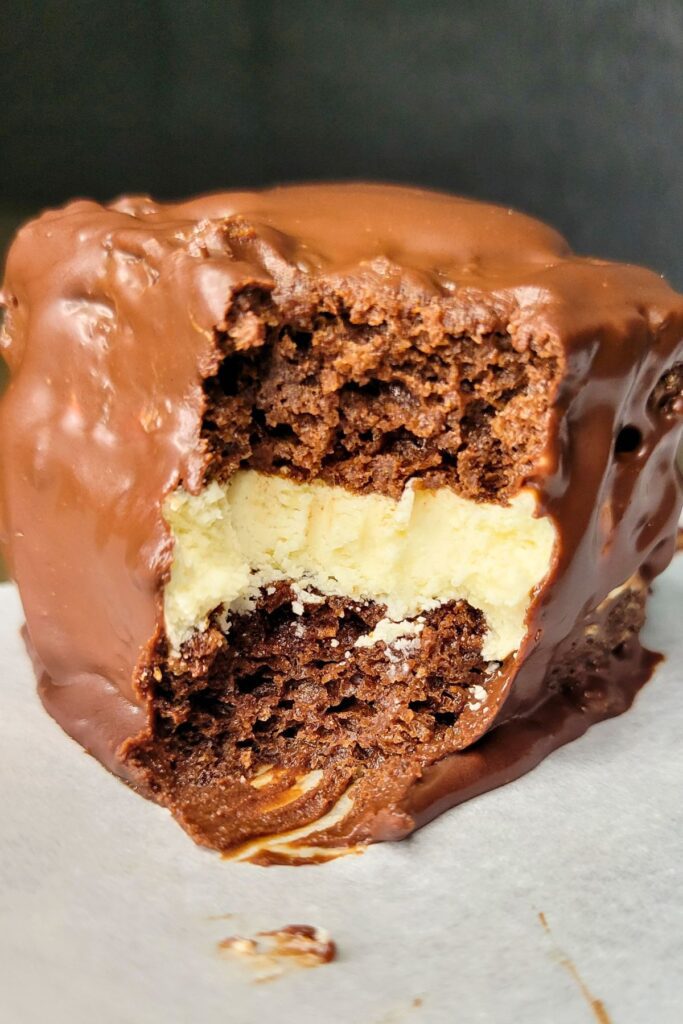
<point x="431" y="547"/>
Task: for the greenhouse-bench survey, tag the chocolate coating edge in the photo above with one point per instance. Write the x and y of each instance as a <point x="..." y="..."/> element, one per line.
<point x="109" y="333"/>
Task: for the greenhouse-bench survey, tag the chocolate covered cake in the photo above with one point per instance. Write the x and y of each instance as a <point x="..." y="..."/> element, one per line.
<point x="331" y="506"/>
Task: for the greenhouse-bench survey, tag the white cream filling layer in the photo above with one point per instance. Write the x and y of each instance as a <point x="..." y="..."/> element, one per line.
<point x="411" y="555"/>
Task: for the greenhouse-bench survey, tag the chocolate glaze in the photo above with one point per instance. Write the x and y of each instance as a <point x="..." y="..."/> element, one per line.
<point x="109" y="332"/>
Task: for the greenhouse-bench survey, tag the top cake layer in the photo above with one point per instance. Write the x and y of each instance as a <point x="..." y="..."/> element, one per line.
<point x="116" y="317"/>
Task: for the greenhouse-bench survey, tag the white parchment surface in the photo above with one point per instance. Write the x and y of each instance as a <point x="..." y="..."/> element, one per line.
<point x="110" y="915"/>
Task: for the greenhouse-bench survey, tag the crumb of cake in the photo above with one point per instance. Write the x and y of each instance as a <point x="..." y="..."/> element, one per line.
<point x="271" y="953"/>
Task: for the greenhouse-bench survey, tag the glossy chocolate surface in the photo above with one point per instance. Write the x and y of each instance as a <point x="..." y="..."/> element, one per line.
<point x="110" y="331"/>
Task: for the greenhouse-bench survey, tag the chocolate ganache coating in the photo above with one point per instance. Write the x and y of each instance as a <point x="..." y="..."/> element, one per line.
<point x="112" y="320"/>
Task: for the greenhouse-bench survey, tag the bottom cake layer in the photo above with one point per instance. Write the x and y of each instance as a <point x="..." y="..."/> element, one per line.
<point x="283" y="736"/>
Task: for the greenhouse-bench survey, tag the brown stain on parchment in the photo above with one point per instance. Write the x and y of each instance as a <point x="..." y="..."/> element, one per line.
<point x="397" y="1014"/>
<point x="597" y="1006"/>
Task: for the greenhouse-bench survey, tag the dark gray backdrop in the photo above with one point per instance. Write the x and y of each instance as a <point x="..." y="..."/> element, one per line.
<point x="569" y="109"/>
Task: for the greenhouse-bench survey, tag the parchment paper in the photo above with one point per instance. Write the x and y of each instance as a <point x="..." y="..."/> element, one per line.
<point x="110" y="915"/>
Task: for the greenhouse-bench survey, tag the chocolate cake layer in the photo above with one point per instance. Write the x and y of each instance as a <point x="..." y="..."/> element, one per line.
<point x="370" y="406"/>
<point x="331" y="506"/>
<point x="305" y="676"/>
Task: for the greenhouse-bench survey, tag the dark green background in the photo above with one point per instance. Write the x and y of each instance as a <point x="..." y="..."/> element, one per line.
<point x="569" y="109"/>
